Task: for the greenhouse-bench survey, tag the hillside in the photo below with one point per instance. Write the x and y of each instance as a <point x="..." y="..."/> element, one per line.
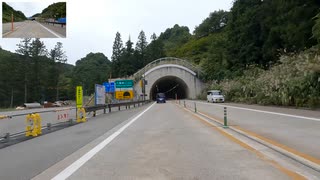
<point x="55" y="10"/>
<point x="8" y="10"/>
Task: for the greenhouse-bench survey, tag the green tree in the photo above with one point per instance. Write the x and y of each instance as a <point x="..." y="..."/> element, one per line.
<point x="24" y="49"/>
<point x="90" y="70"/>
<point x="141" y="49"/>
<point x="214" y="23"/>
<point x="38" y="51"/>
<point x="58" y="57"/>
<point x="316" y="28"/>
<point x="116" y="55"/>
<point x="155" y="49"/>
<point x="175" y="37"/>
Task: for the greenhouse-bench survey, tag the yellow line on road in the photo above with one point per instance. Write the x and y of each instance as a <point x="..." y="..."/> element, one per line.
<point x="286" y="171"/>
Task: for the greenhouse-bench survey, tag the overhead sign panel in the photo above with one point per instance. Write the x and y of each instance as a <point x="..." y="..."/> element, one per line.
<point x="127" y="83"/>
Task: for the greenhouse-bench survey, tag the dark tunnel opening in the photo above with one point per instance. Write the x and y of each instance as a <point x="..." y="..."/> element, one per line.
<point x="171" y="86"/>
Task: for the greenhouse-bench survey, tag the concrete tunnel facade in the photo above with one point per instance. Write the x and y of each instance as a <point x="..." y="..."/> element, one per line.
<point x="171" y="79"/>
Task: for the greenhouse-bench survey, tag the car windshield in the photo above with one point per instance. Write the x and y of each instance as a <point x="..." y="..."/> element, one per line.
<point x="160" y="95"/>
<point x="216" y="93"/>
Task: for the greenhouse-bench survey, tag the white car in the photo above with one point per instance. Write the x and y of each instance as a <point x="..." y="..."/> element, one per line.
<point x="215" y="96"/>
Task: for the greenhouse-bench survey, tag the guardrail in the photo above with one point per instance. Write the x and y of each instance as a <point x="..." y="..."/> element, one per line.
<point x="69" y="117"/>
<point x="53" y="23"/>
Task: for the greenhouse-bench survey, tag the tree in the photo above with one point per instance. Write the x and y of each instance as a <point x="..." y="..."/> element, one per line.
<point x="38" y="51"/>
<point x="24" y="49"/>
<point x="90" y="70"/>
<point x="316" y="28"/>
<point x="155" y="49"/>
<point x="141" y="48"/>
<point x="58" y="57"/>
<point x="214" y="23"/>
<point x="116" y="55"/>
<point x="175" y="37"/>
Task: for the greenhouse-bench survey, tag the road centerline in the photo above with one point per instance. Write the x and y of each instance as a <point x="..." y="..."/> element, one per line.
<point x="67" y="172"/>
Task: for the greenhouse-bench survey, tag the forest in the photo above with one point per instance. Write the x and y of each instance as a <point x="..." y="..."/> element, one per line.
<point x="7" y="11"/>
<point x="262" y="52"/>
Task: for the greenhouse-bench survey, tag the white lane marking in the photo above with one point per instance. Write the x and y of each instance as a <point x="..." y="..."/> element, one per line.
<point x="67" y="172"/>
<point x="55" y="34"/>
<point x="267" y="112"/>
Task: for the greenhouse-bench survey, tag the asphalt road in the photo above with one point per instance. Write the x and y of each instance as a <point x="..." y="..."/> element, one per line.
<point x="165" y="142"/>
<point x="32" y="29"/>
<point x="29" y="158"/>
<point x="294" y="128"/>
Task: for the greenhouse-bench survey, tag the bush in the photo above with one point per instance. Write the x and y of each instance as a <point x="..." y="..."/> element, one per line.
<point x="295" y="81"/>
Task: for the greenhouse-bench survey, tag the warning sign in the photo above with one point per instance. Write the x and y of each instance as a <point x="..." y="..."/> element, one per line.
<point x="79" y="95"/>
<point x="120" y="95"/>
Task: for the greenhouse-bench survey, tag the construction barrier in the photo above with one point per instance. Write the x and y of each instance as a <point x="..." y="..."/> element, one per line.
<point x="81" y="115"/>
<point x="33" y="125"/>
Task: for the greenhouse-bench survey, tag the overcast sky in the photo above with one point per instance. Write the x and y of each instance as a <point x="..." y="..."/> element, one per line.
<point x="92" y="25"/>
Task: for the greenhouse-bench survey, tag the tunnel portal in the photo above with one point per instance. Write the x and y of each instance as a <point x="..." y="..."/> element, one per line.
<point x="171" y="86"/>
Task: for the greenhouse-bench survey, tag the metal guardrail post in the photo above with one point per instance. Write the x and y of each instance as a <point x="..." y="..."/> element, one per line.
<point x="104" y="110"/>
<point x="195" y="107"/>
<point x="6" y="137"/>
<point x="109" y="106"/>
<point x="119" y="107"/>
<point x="225" y="122"/>
<point x="49" y="126"/>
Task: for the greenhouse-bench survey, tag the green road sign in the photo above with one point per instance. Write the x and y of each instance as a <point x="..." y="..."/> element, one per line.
<point x="124" y="83"/>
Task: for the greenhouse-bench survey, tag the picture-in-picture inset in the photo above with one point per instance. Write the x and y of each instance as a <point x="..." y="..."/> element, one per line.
<point x="34" y="19"/>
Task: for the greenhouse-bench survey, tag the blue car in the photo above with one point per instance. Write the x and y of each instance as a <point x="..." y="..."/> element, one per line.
<point x="161" y="98"/>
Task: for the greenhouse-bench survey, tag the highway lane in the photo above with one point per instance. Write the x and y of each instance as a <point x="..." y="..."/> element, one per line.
<point x="165" y="142"/>
<point x="29" y="158"/>
<point x="31" y="29"/>
<point x="294" y="128"/>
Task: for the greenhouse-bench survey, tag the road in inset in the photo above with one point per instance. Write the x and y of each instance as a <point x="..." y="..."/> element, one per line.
<point x="32" y="29"/>
<point x="166" y="142"/>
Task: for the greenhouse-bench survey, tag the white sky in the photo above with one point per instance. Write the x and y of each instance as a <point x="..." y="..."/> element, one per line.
<point x="92" y="25"/>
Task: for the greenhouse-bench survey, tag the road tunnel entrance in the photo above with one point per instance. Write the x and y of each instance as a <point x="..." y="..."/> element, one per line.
<point x="171" y="86"/>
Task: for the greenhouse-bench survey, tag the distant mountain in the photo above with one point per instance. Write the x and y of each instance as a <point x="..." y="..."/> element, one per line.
<point x="55" y="10"/>
<point x="8" y="10"/>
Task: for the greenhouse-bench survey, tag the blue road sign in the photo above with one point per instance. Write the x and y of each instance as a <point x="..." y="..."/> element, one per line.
<point x="112" y="87"/>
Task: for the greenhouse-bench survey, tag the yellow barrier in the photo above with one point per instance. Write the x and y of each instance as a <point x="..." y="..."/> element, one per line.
<point x="4" y="117"/>
<point x="81" y="115"/>
<point x="33" y="125"/>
